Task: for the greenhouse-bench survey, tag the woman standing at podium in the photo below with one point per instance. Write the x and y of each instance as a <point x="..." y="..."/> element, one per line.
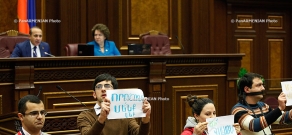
<point x="102" y="46"/>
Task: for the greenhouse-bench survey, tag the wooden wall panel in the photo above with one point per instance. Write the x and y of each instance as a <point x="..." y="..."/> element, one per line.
<point x="244" y="21"/>
<point x="8" y="14"/>
<point x="89" y="104"/>
<point x="267" y="27"/>
<point x="51" y="31"/>
<point x="276" y="56"/>
<point x="142" y="16"/>
<point x="219" y="43"/>
<point x="260" y="25"/>
<point x="1" y="106"/>
<point x="184" y="24"/>
<point x="51" y="98"/>
<point x="149" y="15"/>
<point x="70" y="16"/>
<point x="277" y="33"/>
<point x="246" y="46"/>
<point x="200" y="26"/>
<point x="275" y="22"/>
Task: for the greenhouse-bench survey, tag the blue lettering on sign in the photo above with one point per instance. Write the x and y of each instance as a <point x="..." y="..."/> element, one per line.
<point x="213" y="123"/>
<point x="130" y="114"/>
<point x="124" y="108"/>
<point x="224" y="130"/>
<point x="126" y="97"/>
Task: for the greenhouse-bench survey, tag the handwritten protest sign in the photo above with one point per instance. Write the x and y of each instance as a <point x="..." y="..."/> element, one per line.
<point x="125" y="103"/>
<point x="221" y="125"/>
<point x="287" y="90"/>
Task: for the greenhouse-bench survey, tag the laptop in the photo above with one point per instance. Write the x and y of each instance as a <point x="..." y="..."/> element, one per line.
<point x="85" y="50"/>
<point x="139" y="49"/>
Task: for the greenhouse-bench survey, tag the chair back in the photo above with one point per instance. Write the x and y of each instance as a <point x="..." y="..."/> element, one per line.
<point x="272" y="102"/>
<point x="159" y="42"/>
<point x="72" y="49"/>
<point x="8" y="40"/>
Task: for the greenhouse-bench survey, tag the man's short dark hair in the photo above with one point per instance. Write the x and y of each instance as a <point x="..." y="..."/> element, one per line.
<point x="246" y="80"/>
<point x="105" y="77"/>
<point x="28" y="98"/>
<point x="30" y="30"/>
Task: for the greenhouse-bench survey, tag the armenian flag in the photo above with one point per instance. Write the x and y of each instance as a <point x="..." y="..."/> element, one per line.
<point x="26" y="15"/>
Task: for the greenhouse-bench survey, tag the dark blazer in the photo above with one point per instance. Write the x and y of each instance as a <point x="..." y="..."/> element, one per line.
<point x="23" y="49"/>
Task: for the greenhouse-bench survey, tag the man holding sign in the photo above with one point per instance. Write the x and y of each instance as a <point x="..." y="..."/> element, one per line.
<point x="254" y="116"/>
<point x="95" y="121"/>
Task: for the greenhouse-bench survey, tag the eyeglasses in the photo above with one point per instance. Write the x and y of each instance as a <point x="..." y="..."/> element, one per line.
<point x="106" y="86"/>
<point x="36" y="113"/>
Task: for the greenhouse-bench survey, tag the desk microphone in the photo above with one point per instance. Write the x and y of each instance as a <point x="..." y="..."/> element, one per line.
<point x="183" y="49"/>
<point x="59" y="87"/>
<point x="40" y="89"/>
<point x="49" y="54"/>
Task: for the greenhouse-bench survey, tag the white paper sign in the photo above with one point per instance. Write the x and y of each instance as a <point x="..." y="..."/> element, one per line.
<point x="287" y="90"/>
<point x="221" y="125"/>
<point x="125" y="103"/>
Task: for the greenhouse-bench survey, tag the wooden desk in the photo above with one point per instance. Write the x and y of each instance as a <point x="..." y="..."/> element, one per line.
<point x="165" y="79"/>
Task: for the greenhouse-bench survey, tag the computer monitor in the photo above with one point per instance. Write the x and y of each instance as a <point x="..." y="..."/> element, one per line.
<point x="139" y="49"/>
<point x="85" y="50"/>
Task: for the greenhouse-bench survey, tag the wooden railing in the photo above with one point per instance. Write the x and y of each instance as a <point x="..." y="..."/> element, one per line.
<point x="165" y="79"/>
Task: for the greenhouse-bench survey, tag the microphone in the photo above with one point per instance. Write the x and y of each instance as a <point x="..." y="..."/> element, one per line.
<point x="49" y="54"/>
<point x="40" y="89"/>
<point x="59" y="87"/>
<point x="183" y="49"/>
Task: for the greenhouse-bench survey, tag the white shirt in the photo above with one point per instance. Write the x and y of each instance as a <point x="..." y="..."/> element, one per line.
<point x="37" y="50"/>
<point x="97" y="109"/>
<point x="26" y="133"/>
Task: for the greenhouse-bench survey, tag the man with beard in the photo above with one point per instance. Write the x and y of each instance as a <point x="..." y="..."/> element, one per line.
<point x="95" y="122"/>
<point x="32" y="114"/>
<point x="254" y="116"/>
<point x="34" y="47"/>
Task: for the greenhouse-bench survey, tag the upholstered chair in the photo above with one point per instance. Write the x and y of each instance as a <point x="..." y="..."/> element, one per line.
<point x="272" y="102"/>
<point x="8" y="40"/>
<point x="71" y="49"/>
<point x="159" y="42"/>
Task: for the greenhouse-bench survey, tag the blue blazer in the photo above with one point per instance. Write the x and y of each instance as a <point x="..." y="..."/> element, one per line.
<point x="109" y="46"/>
<point x="23" y="49"/>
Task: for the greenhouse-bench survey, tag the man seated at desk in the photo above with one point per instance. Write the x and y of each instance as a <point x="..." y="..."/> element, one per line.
<point x="34" y="47"/>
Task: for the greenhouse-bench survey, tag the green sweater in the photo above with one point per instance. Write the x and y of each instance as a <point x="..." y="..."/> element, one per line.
<point x="89" y="125"/>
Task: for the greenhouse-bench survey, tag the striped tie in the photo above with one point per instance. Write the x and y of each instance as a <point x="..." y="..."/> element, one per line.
<point x="34" y="52"/>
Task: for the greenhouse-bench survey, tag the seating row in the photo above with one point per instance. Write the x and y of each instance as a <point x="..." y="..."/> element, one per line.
<point x="159" y="43"/>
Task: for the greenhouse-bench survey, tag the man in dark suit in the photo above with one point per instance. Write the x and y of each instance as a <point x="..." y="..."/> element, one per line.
<point x="34" y="47"/>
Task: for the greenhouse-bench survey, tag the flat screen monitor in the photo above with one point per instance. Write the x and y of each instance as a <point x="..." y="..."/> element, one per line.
<point x="85" y="50"/>
<point x="139" y="49"/>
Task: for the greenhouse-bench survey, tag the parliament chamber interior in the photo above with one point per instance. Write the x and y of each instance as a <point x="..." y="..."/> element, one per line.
<point x="190" y="47"/>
